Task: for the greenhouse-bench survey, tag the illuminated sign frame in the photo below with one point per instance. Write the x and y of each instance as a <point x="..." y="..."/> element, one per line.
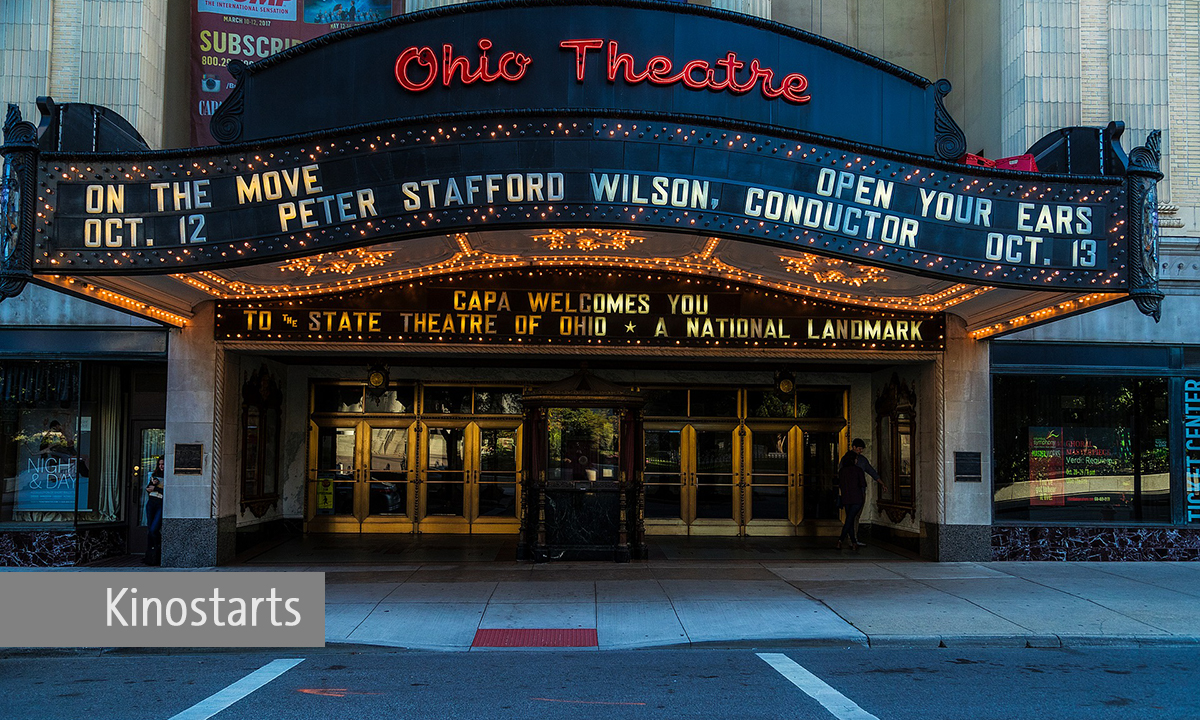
<point x="578" y="307"/>
<point x="130" y="215"/>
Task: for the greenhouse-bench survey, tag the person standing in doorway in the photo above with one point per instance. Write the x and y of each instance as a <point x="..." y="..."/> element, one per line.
<point x="154" y="514"/>
<point x="852" y="482"/>
<point x="856" y="459"/>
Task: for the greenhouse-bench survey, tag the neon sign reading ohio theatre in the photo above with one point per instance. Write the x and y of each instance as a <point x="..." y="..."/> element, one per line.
<point x="420" y="68"/>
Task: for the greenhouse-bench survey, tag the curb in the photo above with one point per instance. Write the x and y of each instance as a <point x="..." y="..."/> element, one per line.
<point x="1033" y="642"/>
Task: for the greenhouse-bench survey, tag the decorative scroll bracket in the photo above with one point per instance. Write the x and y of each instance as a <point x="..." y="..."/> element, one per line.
<point x="226" y="123"/>
<point x="19" y="154"/>
<point x="1142" y="182"/>
<point x="949" y="142"/>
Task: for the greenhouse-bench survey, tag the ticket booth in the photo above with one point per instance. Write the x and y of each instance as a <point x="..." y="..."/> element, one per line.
<point x="585" y="460"/>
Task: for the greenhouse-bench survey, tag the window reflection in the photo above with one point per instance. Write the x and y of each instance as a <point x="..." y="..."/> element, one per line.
<point x="582" y="444"/>
<point x="1081" y="449"/>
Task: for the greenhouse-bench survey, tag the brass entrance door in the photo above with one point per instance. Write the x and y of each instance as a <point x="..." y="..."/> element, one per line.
<point x="388" y="475"/>
<point x="360" y="476"/>
<point x="400" y="476"/>
<point x="716" y="490"/>
<point x="722" y="479"/>
<point x="772" y="469"/>
<point x="692" y="479"/>
<point x="469" y="477"/>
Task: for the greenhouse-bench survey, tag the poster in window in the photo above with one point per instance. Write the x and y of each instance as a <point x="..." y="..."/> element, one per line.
<point x="1046" y="486"/>
<point x="51" y="468"/>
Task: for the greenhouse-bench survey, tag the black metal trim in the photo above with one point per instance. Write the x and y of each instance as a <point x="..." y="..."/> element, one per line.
<point x="17" y="215"/>
<point x="1143" y="227"/>
<point x="592" y="115"/>
<point x="226" y="122"/>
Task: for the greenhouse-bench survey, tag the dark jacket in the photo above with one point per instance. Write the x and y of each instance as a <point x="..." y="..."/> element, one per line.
<point x="861" y="461"/>
<point x="853" y="483"/>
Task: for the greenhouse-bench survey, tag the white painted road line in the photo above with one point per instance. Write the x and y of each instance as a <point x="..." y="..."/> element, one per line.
<point x="841" y="706"/>
<point x="217" y="702"/>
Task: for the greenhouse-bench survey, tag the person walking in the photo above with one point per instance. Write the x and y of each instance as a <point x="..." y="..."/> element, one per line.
<point x="852" y="479"/>
<point x="852" y="482"/>
<point x="154" y="514"/>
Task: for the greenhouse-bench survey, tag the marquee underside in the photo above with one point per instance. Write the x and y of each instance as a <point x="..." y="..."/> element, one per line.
<point x="987" y="310"/>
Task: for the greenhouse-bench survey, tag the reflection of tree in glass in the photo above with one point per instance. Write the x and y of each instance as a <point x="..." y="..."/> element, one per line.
<point x="498" y="450"/>
<point x="714" y="452"/>
<point x="772" y="404"/>
<point x="498" y="402"/>
<point x="662" y="451"/>
<point x="582" y="436"/>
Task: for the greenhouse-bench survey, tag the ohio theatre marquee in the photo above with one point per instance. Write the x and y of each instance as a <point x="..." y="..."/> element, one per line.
<point x="544" y="114"/>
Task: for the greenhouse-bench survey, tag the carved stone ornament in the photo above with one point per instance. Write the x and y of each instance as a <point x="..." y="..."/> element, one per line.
<point x="16" y="203"/>
<point x="1143" y="176"/>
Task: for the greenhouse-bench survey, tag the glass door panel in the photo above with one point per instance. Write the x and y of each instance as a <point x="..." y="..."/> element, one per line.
<point x="770" y="474"/>
<point x="335" y="470"/>
<point x="388" y="485"/>
<point x="664" y="475"/>
<point x="149" y="446"/>
<point x="819" y="479"/>
<point x="153" y="447"/>
<point x="496" y="489"/>
<point x="446" y="472"/>
<point x="715" y="456"/>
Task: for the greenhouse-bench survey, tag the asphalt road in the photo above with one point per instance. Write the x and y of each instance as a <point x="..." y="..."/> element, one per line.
<point x="741" y="684"/>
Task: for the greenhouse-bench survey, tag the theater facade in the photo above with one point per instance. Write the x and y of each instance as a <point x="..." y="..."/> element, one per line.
<point x="584" y="275"/>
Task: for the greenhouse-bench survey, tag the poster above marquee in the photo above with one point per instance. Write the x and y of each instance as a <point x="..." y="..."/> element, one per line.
<point x="578" y="307"/>
<point x="227" y="30"/>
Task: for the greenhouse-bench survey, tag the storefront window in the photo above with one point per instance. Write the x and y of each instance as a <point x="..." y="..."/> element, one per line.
<point x="714" y="403"/>
<point x="59" y="443"/>
<point x="1081" y="449"/>
<point x="666" y="402"/>
<point x="338" y="398"/>
<point x="447" y="400"/>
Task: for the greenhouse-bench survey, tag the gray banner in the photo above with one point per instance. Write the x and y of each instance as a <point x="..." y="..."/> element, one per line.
<point x="162" y="609"/>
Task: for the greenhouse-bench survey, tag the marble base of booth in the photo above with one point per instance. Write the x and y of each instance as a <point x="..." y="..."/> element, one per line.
<point x="1095" y="543"/>
<point x="60" y="548"/>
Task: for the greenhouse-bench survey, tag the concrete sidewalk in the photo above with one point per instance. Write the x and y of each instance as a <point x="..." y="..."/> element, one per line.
<point x="876" y="598"/>
<point x="876" y="603"/>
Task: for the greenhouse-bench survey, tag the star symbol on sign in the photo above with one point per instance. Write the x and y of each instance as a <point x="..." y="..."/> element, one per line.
<point x="630" y="327"/>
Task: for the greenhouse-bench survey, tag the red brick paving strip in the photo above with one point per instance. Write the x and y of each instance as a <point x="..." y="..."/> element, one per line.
<point x="535" y="637"/>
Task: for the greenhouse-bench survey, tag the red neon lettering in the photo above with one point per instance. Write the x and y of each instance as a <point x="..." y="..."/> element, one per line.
<point x="423" y="56"/>
<point x="689" y="80"/>
<point x="511" y="67"/>
<point x="695" y="74"/>
<point x="731" y="65"/>
<point x="451" y="64"/>
<point x="581" y="47"/>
